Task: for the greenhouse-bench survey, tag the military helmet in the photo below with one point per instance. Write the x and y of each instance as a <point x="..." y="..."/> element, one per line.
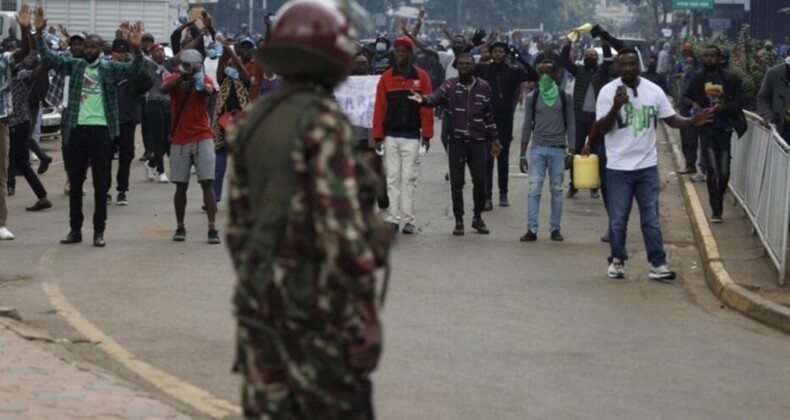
<point x="311" y="39"/>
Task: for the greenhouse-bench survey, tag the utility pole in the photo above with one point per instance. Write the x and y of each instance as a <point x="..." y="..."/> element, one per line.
<point x="252" y="2"/>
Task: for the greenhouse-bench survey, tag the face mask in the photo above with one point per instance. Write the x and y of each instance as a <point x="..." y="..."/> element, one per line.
<point x="590" y="62"/>
<point x="360" y="69"/>
<point x="232" y="73"/>
<point x="381" y="47"/>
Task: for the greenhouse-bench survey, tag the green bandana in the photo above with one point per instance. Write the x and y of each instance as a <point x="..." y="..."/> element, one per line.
<point x="548" y="90"/>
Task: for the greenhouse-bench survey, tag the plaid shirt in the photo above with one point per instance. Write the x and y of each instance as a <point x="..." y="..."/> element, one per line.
<point x="6" y="62"/>
<point x="110" y="73"/>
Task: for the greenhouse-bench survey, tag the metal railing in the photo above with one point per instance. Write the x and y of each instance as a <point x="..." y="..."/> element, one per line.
<point x="760" y="172"/>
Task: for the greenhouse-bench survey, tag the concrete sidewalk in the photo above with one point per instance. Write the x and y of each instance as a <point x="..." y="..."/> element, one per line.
<point x="737" y="267"/>
<point x="36" y="384"/>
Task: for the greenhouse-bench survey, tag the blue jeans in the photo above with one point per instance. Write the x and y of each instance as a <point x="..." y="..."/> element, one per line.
<point x="541" y="159"/>
<point x="621" y="189"/>
<point x="219" y="171"/>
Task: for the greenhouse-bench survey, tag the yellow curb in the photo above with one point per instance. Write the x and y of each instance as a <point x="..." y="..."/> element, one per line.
<point x="716" y="275"/>
<point x="197" y="398"/>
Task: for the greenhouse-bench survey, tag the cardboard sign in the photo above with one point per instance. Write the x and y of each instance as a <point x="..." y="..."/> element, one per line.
<point x="357" y="97"/>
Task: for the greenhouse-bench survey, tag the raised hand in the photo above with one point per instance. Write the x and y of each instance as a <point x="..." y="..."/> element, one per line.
<point x="126" y="29"/>
<point x="478" y="37"/>
<point x="402" y="26"/>
<point x="23" y="17"/>
<point x="421" y="15"/>
<point x="40" y="21"/>
<point x="135" y="37"/>
<point x="207" y="21"/>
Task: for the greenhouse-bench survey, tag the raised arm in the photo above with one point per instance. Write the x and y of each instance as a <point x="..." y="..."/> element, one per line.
<point x="418" y="25"/>
<point x="23" y="19"/>
<point x="417" y="42"/>
<point x="565" y="59"/>
<point x="54" y="62"/>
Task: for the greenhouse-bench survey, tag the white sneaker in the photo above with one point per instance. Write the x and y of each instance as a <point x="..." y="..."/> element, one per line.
<point x="662" y="272"/>
<point x="162" y="179"/>
<point x="5" y="234"/>
<point x="616" y="270"/>
<point x="150" y="173"/>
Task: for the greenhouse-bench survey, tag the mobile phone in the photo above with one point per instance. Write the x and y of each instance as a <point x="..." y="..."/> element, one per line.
<point x="621" y="90"/>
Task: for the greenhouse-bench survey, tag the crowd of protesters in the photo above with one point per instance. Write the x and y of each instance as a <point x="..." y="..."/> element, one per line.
<point x="186" y="105"/>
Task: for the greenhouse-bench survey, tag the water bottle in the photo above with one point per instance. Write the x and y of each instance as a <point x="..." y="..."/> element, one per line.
<point x="199" y="82"/>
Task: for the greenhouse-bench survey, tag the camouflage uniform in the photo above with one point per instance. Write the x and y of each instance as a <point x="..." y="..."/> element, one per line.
<point x="305" y="242"/>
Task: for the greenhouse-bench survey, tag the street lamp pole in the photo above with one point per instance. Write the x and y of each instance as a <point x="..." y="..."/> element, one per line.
<point x="251" y="27"/>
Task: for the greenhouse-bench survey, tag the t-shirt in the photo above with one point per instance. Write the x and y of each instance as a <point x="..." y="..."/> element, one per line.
<point x="194" y="124"/>
<point x="631" y="144"/>
<point x="715" y="85"/>
<point x="92" y="101"/>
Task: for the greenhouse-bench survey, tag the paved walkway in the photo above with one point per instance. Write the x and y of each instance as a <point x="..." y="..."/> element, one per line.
<point x="35" y="384"/>
<point x="737" y="267"/>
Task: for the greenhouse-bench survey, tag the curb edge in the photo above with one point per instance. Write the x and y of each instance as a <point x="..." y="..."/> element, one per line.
<point x="716" y="275"/>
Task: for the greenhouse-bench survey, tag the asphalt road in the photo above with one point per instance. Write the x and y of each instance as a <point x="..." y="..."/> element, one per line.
<point x="476" y="327"/>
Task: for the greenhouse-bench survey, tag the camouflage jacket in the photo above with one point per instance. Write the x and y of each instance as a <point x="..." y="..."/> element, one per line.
<point x="303" y="236"/>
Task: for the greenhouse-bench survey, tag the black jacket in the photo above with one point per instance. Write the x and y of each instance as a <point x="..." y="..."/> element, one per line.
<point x="505" y="80"/>
<point x="732" y="105"/>
<point x="129" y="104"/>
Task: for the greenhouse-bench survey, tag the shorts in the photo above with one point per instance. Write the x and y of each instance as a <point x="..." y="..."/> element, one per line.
<point x="199" y="153"/>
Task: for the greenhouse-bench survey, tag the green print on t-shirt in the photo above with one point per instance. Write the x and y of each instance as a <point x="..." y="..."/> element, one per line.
<point x="637" y="118"/>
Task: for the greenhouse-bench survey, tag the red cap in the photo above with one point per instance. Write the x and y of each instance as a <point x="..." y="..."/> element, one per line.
<point x="155" y="47"/>
<point x="404" y="41"/>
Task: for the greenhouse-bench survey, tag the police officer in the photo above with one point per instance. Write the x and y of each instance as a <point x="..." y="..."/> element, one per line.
<point x="303" y="234"/>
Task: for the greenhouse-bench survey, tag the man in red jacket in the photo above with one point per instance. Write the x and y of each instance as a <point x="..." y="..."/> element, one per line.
<point x="398" y="126"/>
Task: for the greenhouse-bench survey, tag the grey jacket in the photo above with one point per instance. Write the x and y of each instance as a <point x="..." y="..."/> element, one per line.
<point x="774" y="95"/>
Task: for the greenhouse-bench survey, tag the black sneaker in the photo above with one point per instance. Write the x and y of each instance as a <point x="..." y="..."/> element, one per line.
<point x="44" y="165"/>
<point x="556" y="236"/>
<point x="121" y="201"/>
<point x="530" y="236"/>
<point x="180" y="235"/>
<point x="480" y="226"/>
<point x="213" y="237"/>
<point x="395" y="227"/>
<point x="408" y="229"/>
<point x="459" y="227"/>
<point x="488" y="206"/>
<point x="503" y="201"/>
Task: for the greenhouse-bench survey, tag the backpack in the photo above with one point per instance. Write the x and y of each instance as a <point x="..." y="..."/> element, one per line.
<point x="562" y="101"/>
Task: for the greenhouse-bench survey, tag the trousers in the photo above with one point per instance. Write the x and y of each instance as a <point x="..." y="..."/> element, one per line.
<point x="125" y="147"/>
<point x="504" y="127"/>
<point x="19" y="158"/>
<point x="89" y="145"/>
<point x="716" y="146"/>
<point x="402" y="167"/>
<point x="471" y="153"/>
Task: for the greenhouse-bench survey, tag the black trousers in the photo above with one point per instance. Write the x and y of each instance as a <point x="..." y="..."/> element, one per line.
<point x="64" y="145"/>
<point x="19" y="159"/>
<point x="504" y="127"/>
<point x="471" y="153"/>
<point x="157" y="124"/>
<point x="89" y="145"/>
<point x="583" y="123"/>
<point x="124" y="145"/>
<point x="370" y="156"/>
<point x="689" y="139"/>
<point x="143" y="123"/>
<point x="716" y="146"/>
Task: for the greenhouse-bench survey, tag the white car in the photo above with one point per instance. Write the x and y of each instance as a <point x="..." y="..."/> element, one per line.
<point x="50" y="122"/>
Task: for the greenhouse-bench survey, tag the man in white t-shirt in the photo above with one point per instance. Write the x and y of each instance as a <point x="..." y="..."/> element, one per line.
<point x="627" y="112"/>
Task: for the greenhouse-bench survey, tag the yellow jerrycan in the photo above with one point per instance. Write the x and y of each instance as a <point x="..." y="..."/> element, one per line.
<point x="585" y="172"/>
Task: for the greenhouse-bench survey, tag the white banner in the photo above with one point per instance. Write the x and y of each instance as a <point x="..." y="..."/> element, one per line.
<point x="357" y="97"/>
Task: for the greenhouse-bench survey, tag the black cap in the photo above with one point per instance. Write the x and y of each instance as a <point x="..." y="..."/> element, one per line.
<point x="120" y="45"/>
<point x="78" y="35"/>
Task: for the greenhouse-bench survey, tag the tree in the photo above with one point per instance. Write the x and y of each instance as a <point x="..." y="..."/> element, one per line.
<point x="656" y="7"/>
